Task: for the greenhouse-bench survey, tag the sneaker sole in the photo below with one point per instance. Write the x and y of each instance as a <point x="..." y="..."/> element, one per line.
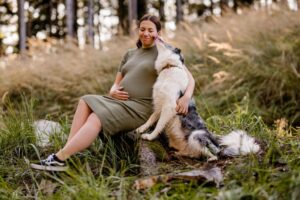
<point x="48" y="168"/>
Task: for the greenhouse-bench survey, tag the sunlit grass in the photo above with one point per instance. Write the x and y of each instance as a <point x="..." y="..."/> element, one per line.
<point x="255" y="55"/>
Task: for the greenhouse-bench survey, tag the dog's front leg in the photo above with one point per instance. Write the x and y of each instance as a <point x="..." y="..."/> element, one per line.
<point x="152" y="119"/>
<point x="211" y="157"/>
<point x="166" y="115"/>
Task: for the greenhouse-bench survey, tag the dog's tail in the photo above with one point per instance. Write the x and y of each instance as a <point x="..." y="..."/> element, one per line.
<point x="236" y="143"/>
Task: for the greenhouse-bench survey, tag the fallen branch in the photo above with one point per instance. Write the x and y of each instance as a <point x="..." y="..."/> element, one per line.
<point x="213" y="175"/>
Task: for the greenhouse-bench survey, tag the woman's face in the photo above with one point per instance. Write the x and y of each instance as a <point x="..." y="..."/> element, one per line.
<point x="147" y="33"/>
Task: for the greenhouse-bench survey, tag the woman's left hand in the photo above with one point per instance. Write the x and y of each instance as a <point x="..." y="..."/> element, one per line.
<point x="182" y="105"/>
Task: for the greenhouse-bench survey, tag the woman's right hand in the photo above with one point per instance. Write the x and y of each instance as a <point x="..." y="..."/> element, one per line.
<point x="117" y="92"/>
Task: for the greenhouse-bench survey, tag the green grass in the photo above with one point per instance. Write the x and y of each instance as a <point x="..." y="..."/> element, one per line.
<point x="107" y="170"/>
<point x="260" y="86"/>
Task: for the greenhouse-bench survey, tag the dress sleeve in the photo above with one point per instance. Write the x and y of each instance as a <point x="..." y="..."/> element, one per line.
<point x="124" y="60"/>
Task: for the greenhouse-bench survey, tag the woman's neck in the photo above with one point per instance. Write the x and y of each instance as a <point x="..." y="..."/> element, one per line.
<point x="148" y="46"/>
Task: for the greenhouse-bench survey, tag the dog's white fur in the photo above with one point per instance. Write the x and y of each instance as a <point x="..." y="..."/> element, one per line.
<point x="166" y="90"/>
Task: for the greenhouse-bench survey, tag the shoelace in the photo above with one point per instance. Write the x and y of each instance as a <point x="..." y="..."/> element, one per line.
<point x="49" y="159"/>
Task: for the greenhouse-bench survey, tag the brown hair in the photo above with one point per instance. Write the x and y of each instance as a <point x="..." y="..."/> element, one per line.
<point x="154" y="20"/>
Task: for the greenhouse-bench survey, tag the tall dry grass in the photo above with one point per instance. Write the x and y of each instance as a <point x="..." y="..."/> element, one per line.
<point x="58" y="76"/>
<point x="255" y="54"/>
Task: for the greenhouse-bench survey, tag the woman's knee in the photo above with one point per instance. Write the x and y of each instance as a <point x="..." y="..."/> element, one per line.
<point x="94" y="119"/>
<point x="82" y="104"/>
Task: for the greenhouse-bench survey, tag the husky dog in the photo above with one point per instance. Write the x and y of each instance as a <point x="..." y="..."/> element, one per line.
<point x="187" y="134"/>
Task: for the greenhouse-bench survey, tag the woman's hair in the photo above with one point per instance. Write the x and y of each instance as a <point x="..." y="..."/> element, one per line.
<point x="154" y="20"/>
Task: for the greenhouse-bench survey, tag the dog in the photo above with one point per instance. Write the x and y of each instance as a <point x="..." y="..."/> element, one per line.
<point x="187" y="134"/>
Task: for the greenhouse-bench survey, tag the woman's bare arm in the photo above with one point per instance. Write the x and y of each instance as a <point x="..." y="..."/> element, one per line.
<point x="183" y="102"/>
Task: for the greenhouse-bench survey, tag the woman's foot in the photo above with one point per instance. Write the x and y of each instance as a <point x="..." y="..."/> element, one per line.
<point x="51" y="163"/>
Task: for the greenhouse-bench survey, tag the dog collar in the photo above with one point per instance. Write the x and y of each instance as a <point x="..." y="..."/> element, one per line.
<point x="168" y="66"/>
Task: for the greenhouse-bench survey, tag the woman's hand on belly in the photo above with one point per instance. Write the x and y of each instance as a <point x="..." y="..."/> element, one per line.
<point x="119" y="93"/>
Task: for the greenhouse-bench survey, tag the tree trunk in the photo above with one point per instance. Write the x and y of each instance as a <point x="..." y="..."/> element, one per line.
<point x="179" y="11"/>
<point x="141" y="8"/>
<point x="212" y="7"/>
<point x="70" y="18"/>
<point x="147" y="158"/>
<point x="91" y="22"/>
<point x="123" y="17"/>
<point x="1" y="45"/>
<point x="29" y="25"/>
<point x="22" y="27"/>
<point x="223" y="6"/>
<point x="150" y="154"/>
<point x="75" y="25"/>
<point x="49" y="20"/>
<point x="132" y="13"/>
<point x="235" y="6"/>
<point x="161" y="11"/>
<point x="97" y="30"/>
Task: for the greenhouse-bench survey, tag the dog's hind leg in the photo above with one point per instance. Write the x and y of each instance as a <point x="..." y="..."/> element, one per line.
<point x="167" y="113"/>
<point x="152" y="119"/>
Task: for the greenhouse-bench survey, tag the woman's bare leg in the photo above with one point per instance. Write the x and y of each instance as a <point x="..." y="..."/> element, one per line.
<point x="81" y="115"/>
<point x="84" y="137"/>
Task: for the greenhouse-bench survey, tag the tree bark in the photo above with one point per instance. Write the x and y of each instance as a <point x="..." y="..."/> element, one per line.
<point x="70" y="18"/>
<point x="161" y="11"/>
<point x="223" y="6"/>
<point x="97" y="30"/>
<point x="22" y="26"/>
<point x="132" y="13"/>
<point x="179" y="11"/>
<point x="91" y="22"/>
<point x="49" y="20"/>
<point x="123" y="17"/>
<point x="29" y="25"/>
<point x="235" y="6"/>
<point x="147" y="158"/>
<point x="75" y="25"/>
<point x="141" y="8"/>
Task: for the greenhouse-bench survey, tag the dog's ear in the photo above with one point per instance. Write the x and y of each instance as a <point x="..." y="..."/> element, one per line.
<point x="178" y="51"/>
<point x="181" y="58"/>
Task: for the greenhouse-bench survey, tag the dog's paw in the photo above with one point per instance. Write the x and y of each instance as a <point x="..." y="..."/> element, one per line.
<point x="147" y="136"/>
<point x="213" y="158"/>
<point x="140" y="129"/>
<point x="181" y="154"/>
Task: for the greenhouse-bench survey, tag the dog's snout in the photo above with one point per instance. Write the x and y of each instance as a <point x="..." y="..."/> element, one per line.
<point x="160" y="42"/>
<point x="159" y="39"/>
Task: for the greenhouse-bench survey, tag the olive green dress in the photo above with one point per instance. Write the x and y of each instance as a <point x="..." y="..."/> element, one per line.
<point x="139" y="75"/>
